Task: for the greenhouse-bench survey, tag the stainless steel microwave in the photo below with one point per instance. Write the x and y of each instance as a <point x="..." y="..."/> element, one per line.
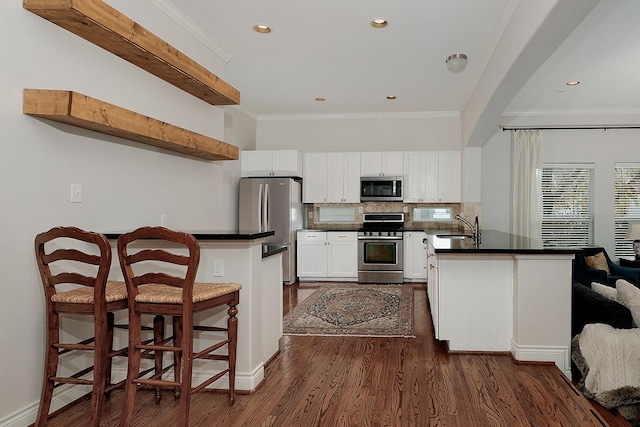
<point x="381" y="189"/>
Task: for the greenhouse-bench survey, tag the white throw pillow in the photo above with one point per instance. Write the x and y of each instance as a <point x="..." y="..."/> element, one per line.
<point x="606" y="291"/>
<point x="629" y="296"/>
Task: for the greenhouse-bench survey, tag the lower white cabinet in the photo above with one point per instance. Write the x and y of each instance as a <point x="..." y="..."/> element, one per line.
<point x="415" y="256"/>
<point x="327" y="255"/>
<point x="432" y="286"/>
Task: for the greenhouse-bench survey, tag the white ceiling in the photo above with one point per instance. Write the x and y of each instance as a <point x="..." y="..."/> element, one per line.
<point x="603" y="53"/>
<point x="329" y="49"/>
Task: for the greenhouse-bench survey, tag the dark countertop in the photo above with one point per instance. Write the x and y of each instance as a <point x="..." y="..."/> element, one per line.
<point x="269" y="249"/>
<point x="213" y="234"/>
<point x="493" y="242"/>
<point x="332" y="229"/>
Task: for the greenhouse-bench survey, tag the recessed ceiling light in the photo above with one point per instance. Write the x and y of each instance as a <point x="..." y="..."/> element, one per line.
<point x="391" y="97"/>
<point x="573" y="83"/>
<point x="379" y="23"/>
<point x="321" y="99"/>
<point x="261" y="28"/>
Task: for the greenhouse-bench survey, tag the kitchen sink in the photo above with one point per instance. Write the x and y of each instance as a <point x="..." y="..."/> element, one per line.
<point x="454" y="236"/>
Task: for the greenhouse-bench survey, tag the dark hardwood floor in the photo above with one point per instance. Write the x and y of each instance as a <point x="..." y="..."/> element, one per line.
<point x="338" y="381"/>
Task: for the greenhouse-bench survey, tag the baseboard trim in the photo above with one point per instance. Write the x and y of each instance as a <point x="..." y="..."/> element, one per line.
<point x="68" y="394"/>
<point x="560" y="355"/>
<point x="62" y="396"/>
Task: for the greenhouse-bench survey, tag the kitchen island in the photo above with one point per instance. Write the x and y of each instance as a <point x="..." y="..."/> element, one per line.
<point x="506" y="293"/>
<point x="241" y="257"/>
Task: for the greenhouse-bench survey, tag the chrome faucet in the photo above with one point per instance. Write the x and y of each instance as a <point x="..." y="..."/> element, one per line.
<point x="475" y="228"/>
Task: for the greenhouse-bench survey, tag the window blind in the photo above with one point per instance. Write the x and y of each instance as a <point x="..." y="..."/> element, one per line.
<point x="627" y="194"/>
<point x="567" y="205"/>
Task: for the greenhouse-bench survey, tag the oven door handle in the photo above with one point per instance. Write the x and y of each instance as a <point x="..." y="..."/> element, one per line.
<point x="374" y="238"/>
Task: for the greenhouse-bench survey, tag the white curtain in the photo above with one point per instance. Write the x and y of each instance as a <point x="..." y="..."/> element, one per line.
<point x="526" y="198"/>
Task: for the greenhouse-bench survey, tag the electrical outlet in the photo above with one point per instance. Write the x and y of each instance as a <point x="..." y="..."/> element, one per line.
<point x="164" y="220"/>
<point x="76" y="193"/>
<point x="218" y="267"/>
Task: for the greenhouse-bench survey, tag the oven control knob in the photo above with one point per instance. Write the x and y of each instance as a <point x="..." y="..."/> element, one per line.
<point x="394" y="233"/>
<point x="379" y="233"/>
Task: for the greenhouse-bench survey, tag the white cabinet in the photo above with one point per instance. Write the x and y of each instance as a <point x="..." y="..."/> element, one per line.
<point x="312" y="255"/>
<point x="344" y="177"/>
<point x="331" y="178"/>
<point x="314" y="178"/>
<point x="343" y="254"/>
<point x="432" y="176"/>
<point x="328" y="255"/>
<point x="432" y="286"/>
<point x="387" y="163"/>
<point x="271" y="163"/>
<point x="450" y="176"/>
<point x="415" y="256"/>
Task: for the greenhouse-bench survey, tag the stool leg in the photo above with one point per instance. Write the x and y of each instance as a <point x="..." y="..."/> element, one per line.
<point x="100" y="364"/>
<point x="110" y="328"/>
<point x="50" y="367"/>
<point x="232" y="331"/>
<point x="177" y="355"/>
<point x="187" y="367"/>
<point x="158" y="337"/>
<point x="135" y="331"/>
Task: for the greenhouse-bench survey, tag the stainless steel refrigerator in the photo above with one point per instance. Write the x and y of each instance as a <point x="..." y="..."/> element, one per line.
<point x="273" y="204"/>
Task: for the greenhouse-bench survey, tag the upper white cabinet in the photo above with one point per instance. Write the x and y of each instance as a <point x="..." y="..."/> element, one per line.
<point x="344" y="177"/>
<point x="331" y="178"/>
<point x="314" y="178"/>
<point x="432" y="176"/>
<point x="386" y="163"/>
<point x="271" y="163"/>
<point x="450" y="176"/>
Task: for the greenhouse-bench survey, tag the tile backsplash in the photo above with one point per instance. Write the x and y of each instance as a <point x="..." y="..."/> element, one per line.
<point x="467" y="210"/>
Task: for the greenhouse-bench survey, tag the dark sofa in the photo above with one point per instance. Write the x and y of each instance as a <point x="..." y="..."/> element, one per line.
<point x="588" y="306"/>
<point x="585" y="275"/>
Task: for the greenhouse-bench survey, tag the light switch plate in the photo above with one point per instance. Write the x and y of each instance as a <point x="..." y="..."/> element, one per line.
<point x="76" y="193"/>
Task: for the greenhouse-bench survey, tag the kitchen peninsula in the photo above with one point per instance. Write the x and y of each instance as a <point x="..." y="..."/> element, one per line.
<point x="240" y="257"/>
<point x="505" y="293"/>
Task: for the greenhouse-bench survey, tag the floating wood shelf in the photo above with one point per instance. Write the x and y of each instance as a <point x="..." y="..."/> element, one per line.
<point x="82" y="111"/>
<point x="104" y="26"/>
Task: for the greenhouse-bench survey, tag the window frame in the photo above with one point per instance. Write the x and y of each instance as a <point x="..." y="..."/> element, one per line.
<point x="559" y="235"/>
<point x="624" y="214"/>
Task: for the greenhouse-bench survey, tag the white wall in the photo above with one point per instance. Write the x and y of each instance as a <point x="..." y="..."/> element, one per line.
<point x="602" y="148"/>
<point x="125" y="184"/>
<point x="361" y="133"/>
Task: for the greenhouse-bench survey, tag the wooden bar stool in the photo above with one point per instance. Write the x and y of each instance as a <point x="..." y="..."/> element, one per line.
<point x="71" y="256"/>
<point x="161" y="281"/>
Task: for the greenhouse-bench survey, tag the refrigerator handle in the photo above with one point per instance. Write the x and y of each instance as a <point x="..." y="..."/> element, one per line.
<point x="265" y="208"/>
<point x="259" y="210"/>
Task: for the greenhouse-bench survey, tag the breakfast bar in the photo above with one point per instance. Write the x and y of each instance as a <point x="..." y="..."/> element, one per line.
<point x="240" y="257"/>
<point x="503" y="293"/>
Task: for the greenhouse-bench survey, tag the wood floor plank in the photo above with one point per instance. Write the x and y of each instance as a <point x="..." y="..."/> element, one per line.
<point x="365" y="381"/>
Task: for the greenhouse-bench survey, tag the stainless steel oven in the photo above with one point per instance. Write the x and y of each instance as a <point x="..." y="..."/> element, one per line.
<point x="380" y="248"/>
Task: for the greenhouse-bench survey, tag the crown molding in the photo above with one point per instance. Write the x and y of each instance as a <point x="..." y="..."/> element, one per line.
<point x="573" y="112"/>
<point x="360" y="116"/>
<point x="244" y="111"/>
<point x="192" y="27"/>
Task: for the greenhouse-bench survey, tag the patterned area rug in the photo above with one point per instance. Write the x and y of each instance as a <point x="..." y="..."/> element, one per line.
<point x="356" y="310"/>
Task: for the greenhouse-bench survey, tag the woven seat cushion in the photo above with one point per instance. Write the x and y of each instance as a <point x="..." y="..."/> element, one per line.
<point x="115" y="291"/>
<point x="165" y="294"/>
